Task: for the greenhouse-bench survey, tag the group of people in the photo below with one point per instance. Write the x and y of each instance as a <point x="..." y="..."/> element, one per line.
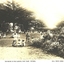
<point x="17" y="41"/>
<point x="49" y="35"/>
<point x="41" y="36"/>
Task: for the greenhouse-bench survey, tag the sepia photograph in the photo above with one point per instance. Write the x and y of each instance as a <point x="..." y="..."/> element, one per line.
<point x="32" y="30"/>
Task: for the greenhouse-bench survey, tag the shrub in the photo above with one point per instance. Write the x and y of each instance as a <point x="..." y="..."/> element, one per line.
<point x="49" y="46"/>
<point x="53" y="45"/>
<point x="36" y="42"/>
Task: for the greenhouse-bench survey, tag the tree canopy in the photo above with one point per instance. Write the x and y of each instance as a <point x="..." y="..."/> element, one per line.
<point x="13" y="12"/>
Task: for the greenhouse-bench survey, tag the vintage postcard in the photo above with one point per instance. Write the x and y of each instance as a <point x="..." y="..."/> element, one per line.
<point x="32" y="30"/>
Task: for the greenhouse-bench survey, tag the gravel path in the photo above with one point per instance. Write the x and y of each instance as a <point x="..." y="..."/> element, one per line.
<point x="24" y="53"/>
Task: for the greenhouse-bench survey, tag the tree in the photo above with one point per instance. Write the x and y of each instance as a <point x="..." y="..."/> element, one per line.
<point x="61" y="24"/>
<point x="37" y="24"/>
<point x="12" y="12"/>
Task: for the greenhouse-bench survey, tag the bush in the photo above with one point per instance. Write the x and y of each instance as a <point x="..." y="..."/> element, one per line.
<point x="54" y="45"/>
<point x="61" y="50"/>
<point x="36" y="42"/>
<point x="50" y="47"/>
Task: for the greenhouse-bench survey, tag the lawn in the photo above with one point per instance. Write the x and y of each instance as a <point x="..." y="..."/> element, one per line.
<point x="7" y="42"/>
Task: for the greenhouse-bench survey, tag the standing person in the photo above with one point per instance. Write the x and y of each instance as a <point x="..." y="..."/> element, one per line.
<point x="49" y="35"/>
<point x="41" y="37"/>
<point x="28" y="37"/>
<point x="15" y="36"/>
<point x="23" y="42"/>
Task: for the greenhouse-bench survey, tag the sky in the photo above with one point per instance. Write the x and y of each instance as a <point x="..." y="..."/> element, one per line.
<point x="51" y="12"/>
